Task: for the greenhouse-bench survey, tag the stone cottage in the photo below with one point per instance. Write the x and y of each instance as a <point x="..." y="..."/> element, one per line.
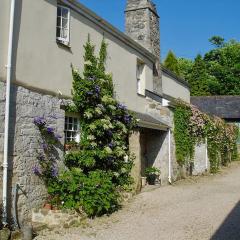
<point x="39" y="41"/>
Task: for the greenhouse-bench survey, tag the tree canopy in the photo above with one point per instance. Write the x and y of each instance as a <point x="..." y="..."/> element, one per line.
<point x="171" y="63"/>
<point x="217" y="72"/>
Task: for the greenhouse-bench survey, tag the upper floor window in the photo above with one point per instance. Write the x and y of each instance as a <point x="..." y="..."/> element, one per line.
<point x="140" y="77"/>
<point x="63" y="24"/>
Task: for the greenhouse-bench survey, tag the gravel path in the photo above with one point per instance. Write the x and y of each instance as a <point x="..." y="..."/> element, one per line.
<point x="194" y="209"/>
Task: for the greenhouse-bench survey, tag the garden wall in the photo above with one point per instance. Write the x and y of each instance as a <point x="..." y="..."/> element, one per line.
<point x="25" y="142"/>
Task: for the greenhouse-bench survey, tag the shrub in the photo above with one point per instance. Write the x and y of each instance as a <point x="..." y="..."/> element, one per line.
<point x="99" y="167"/>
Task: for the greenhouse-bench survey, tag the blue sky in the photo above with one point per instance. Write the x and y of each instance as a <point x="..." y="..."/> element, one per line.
<point x="186" y="25"/>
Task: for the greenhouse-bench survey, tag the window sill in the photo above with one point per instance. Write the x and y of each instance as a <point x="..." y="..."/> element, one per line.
<point x="141" y="95"/>
<point x="63" y="44"/>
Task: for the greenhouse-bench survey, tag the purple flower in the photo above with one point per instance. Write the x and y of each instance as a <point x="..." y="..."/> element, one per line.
<point x="36" y="170"/>
<point x="54" y="171"/>
<point x="127" y="119"/>
<point x="44" y="146"/>
<point x="111" y="145"/>
<point x="39" y="121"/>
<point x="109" y="133"/>
<point x="121" y="106"/>
<point x="58" y="136"/>
<point x="97" y="89"/>
<point x="50" y="130"/>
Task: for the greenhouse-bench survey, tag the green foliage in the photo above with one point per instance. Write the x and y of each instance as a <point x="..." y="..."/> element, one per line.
<point x="217" y="73"/>
<point x="152" y="171"/>
<point x="223" y="64"/>
<point x="217" y="41"/>
<point x="191" y="126"/>
<point x="95" y="192"/>
<point x="184" y="141"/>
<point x="99" y="167"/>
<point x="171" y="63"/>
<point x="185" y="67"/>
<point x="198" y="78"/>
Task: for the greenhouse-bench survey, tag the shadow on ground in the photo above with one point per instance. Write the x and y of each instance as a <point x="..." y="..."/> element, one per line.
<point x="230" y="228"/>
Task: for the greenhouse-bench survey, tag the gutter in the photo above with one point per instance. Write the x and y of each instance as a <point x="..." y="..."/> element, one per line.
<point x="7" y="110"/>
<point x="109" y="28"/>
<point x="175" y="77"/>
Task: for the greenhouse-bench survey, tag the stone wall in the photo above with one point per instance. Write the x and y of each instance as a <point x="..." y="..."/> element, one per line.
<point x="142" y="24"/>
<point x="50" y="219"/>
<point x="25" y="142"/>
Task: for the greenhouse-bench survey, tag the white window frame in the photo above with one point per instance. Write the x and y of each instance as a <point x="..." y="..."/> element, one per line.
<point x="140" y="76"/>
<point x="66" y="40"/>
<point x="68" y="129"/>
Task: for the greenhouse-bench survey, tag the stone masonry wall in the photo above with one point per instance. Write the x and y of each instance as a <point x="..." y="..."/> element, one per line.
<point x="142" y="24"/>
<point x="25" y="141"/>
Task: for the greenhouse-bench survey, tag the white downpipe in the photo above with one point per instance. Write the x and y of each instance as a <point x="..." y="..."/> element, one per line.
<point x="7" y="108"/>
<point x="206" y="152"/>
<point x="169" y="157"/>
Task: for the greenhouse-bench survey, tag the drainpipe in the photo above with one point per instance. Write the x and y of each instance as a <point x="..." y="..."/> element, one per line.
<point x="169" y="157"/>
<point x="206" y="152"/>
<point x="7" y="108"/>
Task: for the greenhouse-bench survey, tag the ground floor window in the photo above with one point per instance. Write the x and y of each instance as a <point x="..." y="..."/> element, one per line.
<point x="72" y="129"/>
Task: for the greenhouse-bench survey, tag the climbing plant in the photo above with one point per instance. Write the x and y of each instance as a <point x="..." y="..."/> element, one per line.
<point x="99" y="168"/>
<point x="191" y="126"/>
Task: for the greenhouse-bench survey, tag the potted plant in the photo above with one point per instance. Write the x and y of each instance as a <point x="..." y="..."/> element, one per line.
<point x="152" y="173"/>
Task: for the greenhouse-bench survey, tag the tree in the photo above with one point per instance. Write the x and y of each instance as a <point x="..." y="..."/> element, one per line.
<point x="223" y="63"/>
<point x="217" y="41"/>
<point x="171" y="63"/>
<point x="198" y="78"/>
<point x="185" y="67"/>
<point x="217" y="73"/>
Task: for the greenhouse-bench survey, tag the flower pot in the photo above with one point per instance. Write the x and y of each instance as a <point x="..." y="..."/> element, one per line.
<point x="151" y="179"/>
<point x="48" y="206"/>
<point x="144" y="181"/>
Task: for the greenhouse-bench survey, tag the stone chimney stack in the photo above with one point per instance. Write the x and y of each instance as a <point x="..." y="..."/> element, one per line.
<point x="142" y="24"/>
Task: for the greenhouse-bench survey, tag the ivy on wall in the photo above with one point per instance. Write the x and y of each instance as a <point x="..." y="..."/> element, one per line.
<point x="191" y="126"/>
<point x="99" y="167"/>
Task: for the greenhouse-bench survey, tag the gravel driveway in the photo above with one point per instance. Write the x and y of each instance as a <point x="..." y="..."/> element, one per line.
<point x="195" y="209"/>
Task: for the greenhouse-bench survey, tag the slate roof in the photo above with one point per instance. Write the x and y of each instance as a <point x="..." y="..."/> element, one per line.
<point x="227" y="107"/>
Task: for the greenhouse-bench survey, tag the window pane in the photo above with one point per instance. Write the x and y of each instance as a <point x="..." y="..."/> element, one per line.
<point x="58" y="21"/>
<point x="58" y="32"/>
<point x="59" y="11"/>
<point x="65" y="23"/>
<point x="64" y="33"/>
<point x="70" y="119"/>
<point x="65" y="13"/>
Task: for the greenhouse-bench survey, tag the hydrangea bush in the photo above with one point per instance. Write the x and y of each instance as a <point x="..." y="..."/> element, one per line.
<point x="100" y="168"/>
<point x="193" y="126"/>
